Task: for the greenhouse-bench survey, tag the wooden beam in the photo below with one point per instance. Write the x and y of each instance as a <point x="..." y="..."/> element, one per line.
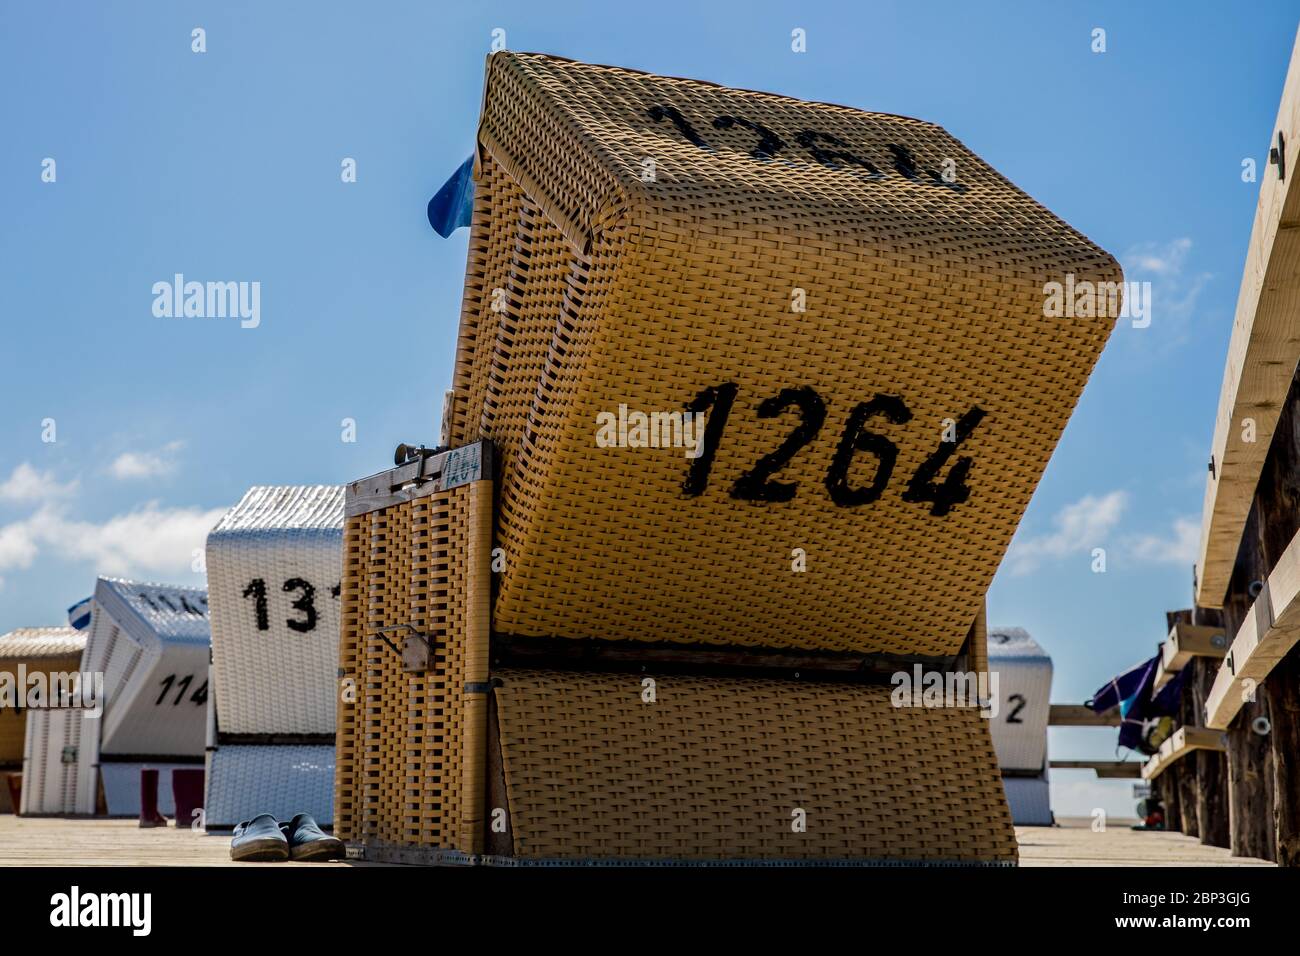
<point x="1179" y="744"/>
<point x="1262" y="354"/>
<point x="1186" y="641"/>
<point x="1270" y="629"/>
<point x="1250" y="761"/>
<point x="1284" y="742"/>
<point x="1077" y="715"/>
<point x="1103" y="768"/>
<point x="1188" y="773"/>
<point x="1212" y="816"/>
<point x="1167" y="786"/>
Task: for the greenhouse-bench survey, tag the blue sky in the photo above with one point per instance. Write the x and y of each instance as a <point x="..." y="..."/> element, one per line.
<point x="226" y="165"/>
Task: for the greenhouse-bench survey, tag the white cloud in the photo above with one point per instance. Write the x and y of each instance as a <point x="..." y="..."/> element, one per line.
<point x="1179" y="546"/>
<point x="1174" y="290"/>
<point x="148" y="541"/>
<point x="145" y="464"/>
<point x="1167" y="259"/>
<point x="1079" y="527"/>
<point x="26" y="484"/>
<point x="17" y="547"/>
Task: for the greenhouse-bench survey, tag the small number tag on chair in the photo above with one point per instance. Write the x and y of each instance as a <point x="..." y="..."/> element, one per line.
<point x="462" y="466"/>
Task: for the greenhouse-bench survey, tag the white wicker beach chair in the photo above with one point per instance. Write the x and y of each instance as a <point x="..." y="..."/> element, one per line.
<point x="1020" y="728"/>
<point x="151" y="643"/>
<point x="274" y="568"/>
<point x="59" y="760"/>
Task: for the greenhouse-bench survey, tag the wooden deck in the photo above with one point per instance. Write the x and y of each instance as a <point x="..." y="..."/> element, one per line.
<point x="64" y="841"/>
<point x="46" y="841"/>
<point x="1073" y="843"/>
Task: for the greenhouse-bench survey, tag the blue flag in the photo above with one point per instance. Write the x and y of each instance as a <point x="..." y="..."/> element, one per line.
<point x="79" y="614"/>
<point x="452" y="206"/>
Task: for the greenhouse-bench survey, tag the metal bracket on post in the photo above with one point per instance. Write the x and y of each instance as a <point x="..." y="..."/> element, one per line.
<point x="417" y="650"/>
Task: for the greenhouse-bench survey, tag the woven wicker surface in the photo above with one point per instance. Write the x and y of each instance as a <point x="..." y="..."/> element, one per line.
<point x="244" y="780"/>
<point x="30" y="643"/>
<point x="402" y="777"/>
<point x="619" y="291"/>
<point x="59" y="761"/>
<point x="13" y="720"/>
<point x="1030" y="800"/>
<point x="274" y="565"/>
<point x="1024" y="699"/>
<point x="715" y="768"/>
<point x="150" y="641"/>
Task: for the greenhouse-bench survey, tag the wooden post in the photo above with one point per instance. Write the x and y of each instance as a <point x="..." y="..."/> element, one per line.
<point x="1211" y="768"/>
<point x="1187" y="796"/>
<point x="1250" y="784"/>
<point x="1277" y="499"/>
<point x="1169" y="792"/>
<point x="1188" y="777"/>
<point x="1250" y="769"/>
<point x="1284" y="744"/>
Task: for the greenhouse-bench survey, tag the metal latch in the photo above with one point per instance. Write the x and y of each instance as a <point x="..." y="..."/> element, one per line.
<point x="417" y="650"/>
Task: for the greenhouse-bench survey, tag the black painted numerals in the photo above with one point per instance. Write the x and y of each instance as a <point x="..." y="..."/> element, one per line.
<point x="305" y="603"/>
<point x="198" y="698"/>
<point x="1018" y="701"/>
<point x="177" y="604"/>
<point x="717" y="401"/>
<point x="758" y="482"/>
<point x="810" y="139"/>
<point x="768" y="145"/>
<point x="257" y="591"/>
<point x="952" y="490"/>
<point x="856" y="438"/>
<point x="660" y="113"/>
<point x="825" y="148"/>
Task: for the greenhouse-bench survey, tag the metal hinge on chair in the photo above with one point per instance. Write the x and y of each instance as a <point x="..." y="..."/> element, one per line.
<point x="417" y="651"/>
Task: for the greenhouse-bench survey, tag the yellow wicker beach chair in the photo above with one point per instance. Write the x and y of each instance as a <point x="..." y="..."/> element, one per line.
<point x="750" y="394"/>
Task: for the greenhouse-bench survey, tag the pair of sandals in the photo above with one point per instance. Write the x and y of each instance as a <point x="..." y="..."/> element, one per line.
<point x="264" y="839"/>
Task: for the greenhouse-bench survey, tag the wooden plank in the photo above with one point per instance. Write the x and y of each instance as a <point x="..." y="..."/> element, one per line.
<point x="1186" y="641"/>
<point x="1250" y="761"/>
<point x="1167" y="786"/>
<point x="1211" y="767"/>
<point x="1270" y="629"/>
<point x="1074" y="842"/>
<point x="415" y="479"/>
<point x="1104" y="768"/>
<point x="1179" y="744"/>
<point x="1262" y="355"/>
<point x="1187" y="772"/>
<point x="1077" y="715"/>
<point x="81" y="841"/>
<point x="1284" y="741"/>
